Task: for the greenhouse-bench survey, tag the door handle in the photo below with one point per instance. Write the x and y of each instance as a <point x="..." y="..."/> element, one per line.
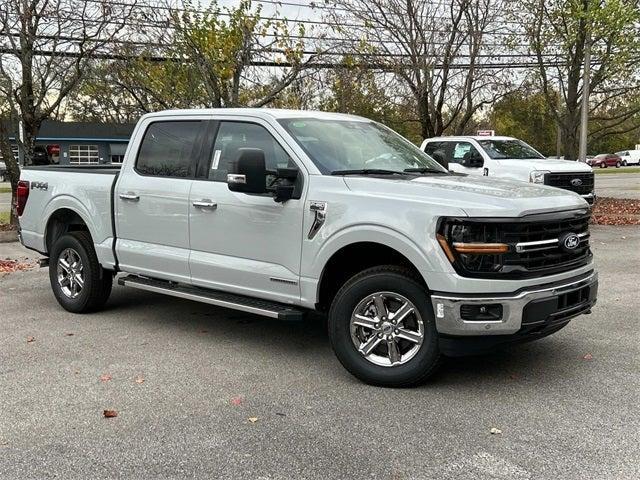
<point x="205" y="204"/>
<point x="132" y="197"/>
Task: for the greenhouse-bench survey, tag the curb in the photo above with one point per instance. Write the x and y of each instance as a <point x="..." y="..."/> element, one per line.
<point x="8" y="236"/>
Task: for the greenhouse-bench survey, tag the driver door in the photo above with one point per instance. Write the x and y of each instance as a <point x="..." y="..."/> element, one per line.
<point x="465" y="158"/>
<point x="244" y="243"/>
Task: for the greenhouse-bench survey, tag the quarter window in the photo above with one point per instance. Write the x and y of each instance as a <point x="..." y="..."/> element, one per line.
<point x="234" y="136"/>
<point x="83" y="154"/>
<point x="167" y="149"/>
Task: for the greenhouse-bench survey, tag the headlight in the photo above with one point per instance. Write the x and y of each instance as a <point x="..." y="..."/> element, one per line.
<point x="472" y="246"/>
<point x="537" y="176"/>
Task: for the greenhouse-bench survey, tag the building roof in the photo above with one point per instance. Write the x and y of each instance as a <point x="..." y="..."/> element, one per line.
<point x="54" y="130"/>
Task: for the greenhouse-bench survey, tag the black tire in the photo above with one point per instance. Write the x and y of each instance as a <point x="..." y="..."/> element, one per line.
<point x="624" y="163"/>
<point x="603" y="165"/>
<point x="383" y="279"/>
<point x="617" y="164"/>
<point x="97" y="281"/>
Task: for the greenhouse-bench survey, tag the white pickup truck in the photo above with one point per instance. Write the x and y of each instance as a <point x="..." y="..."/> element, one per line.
<point x="507" y="157"/>
<point x="280" y="213"/>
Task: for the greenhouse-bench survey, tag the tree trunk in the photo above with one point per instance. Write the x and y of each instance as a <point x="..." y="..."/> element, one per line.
<point x="13" y="169"/>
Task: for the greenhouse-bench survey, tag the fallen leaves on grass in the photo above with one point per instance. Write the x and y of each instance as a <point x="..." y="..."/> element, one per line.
<point x="31" y="339"/>
<point x="12" y="266"/>
<point x="587" y="356"/>
<point x="109" y="413"/>
<point x="105" y="377"/>
<point x="495" y="431"/>
<point x="616" y="211"/>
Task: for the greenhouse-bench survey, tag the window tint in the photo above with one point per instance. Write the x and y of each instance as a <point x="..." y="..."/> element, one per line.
<point x="463" y="151"/>
<point x="167" y="149"/>
<point x="438" y="151"/>
<point x="233" y="136"/>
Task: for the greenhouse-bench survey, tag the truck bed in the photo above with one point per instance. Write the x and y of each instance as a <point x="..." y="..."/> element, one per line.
<point x="85" y="190"/>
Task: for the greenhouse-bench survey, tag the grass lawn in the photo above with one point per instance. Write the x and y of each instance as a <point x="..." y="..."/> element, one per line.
<point x="4" y="217"/>
<point x="5" y="189"/>
<point x="617" y="170"/>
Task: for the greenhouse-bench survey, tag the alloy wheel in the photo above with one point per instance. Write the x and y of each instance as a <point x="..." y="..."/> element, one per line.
<point x="70" y="273"/>
<point x="387" y="329"/>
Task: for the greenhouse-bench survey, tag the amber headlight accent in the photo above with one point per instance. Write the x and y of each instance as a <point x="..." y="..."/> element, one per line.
<point x="481" y="248"/>
<point x="445" y="246"/>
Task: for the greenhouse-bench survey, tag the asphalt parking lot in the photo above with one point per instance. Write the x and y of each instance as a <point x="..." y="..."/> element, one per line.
<point x="618" y="185"/>
<point x="211" y="393"/>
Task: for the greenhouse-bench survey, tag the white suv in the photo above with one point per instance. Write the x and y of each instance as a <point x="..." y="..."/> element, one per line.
<point x="506" y="157"/>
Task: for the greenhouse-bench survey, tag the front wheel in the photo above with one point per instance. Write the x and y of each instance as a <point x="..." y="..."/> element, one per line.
<point x="624" y="163"/>
<point x="382" y="329"/>
<point x="78" y="281"/>
<point x="603" y="165"/>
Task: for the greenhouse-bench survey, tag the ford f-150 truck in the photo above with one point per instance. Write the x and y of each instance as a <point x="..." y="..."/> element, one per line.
<point x="506" y="157"/>
<point x="279" y="213"/>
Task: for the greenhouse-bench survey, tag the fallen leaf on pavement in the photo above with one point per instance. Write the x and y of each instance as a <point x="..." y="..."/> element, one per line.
<point x="31" y="339"/>
<point x="69" y="334"/>
<point x="237" y="401"/>
<point x="109" y="413"/>
<point x="105" y="377"/>
<point x="253" y="419"/>
<point x="495" y="431"/>
<point x="588" y="356"/>
<point x="139" y="379"/>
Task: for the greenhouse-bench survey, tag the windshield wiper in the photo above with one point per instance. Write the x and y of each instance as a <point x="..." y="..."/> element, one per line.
<point x="367" y="171"/>
<point x="424" y="170"/>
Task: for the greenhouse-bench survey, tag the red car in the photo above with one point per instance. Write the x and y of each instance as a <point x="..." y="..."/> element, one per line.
<point x="605" y="160"/>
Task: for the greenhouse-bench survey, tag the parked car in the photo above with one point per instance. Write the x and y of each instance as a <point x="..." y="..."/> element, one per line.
<point x="3" y="172"/>
<point x="510" y="158"/>
<point x="605" y="160"/>
<point x="280" y="213"/>
<point x="629" y="157"/>
<point x="40" y="156"/>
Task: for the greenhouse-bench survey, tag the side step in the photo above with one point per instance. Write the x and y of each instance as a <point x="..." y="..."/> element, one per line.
<point x="214" y="297"/>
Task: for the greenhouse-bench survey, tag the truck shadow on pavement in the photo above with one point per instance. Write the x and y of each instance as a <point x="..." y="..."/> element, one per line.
<point x="306" y="343"/>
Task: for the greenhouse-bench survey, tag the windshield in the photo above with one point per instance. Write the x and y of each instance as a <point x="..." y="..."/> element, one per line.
<point x="511" y="149"/>
<point x="343" y="145"/>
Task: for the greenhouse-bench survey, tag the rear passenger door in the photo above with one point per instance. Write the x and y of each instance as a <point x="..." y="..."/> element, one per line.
<point x="152" y="199"/>
<point x="245" y="243"/>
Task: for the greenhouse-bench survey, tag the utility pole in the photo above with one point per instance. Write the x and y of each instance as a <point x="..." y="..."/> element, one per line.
<point x="586" y="76"/>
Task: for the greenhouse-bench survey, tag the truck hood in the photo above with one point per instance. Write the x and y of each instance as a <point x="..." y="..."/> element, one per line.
<point x="551" y="164"/>
<point x="476" y="196"/>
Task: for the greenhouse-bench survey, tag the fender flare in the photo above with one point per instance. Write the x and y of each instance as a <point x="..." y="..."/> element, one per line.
<point x="66" y="202"/>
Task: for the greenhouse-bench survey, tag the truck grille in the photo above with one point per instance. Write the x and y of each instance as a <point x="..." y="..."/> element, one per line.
<point x="535" y="245"/>
<point x="581" y="183"/>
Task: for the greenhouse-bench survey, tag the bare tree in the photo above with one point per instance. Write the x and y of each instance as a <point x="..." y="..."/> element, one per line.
<point x="564" y="28"/>
<point x="47" y="44"/>
<point x="434" y="47"/>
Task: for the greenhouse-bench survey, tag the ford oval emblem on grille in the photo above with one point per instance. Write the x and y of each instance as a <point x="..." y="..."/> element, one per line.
<point x="576" y="182"/>
<point x="569" y="242"/>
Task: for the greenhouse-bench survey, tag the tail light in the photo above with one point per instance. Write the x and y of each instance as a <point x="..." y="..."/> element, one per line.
<point x="22" y="194"/>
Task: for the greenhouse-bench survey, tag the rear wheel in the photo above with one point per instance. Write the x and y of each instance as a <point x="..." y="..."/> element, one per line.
<point x="78" y="281"/>
<point x="382" y="329"/>
<point x="617" y="164"/>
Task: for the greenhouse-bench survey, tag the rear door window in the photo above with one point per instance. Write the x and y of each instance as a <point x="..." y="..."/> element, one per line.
<point x="168" y="149"/>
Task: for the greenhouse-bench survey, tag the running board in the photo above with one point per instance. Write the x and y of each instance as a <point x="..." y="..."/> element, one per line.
<point x="214" y="297"/>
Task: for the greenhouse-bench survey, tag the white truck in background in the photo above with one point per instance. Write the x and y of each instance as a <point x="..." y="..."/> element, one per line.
<point x="629" y="157"/>
<point x="279" y="213"/>
<point x="507" y="157"/>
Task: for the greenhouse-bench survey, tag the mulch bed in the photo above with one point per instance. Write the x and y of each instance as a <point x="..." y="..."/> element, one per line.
<point x="6" y="227"/>
<point x="616" y="211"/>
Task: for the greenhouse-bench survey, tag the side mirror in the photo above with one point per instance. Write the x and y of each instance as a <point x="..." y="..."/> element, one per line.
<point x="285" y="184"/>
<point x="250" y="174"/>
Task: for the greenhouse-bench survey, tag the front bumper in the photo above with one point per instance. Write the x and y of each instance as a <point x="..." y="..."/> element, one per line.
<point x="526" y="309"/>
<point x="590" y="198"/>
